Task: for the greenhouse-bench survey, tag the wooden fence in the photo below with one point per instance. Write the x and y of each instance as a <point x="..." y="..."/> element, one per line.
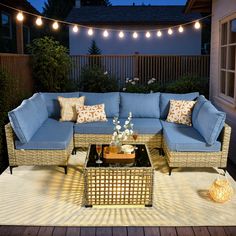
<point x="19" y="67"/>
<point x="163" y="68"/>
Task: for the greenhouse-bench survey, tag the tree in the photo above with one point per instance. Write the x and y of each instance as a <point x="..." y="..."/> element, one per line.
<point x="51" y="65"/>
<point x="94" y="49"/>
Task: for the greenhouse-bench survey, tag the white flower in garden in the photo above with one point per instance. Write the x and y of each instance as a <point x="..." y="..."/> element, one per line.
<point x="149" y="81"/>
<point x="153" y="79"/>
<point x="118" y="127"/>
<point x="131" y="132"/>
<point x="151" y="91"/>
<point x="125" y="138"/>
<point x="133" y="83"/>
<point x="126" y="122"/>
<point x="120" y="136"/>
<point x="136" y="79"/>
<point x="124" y="89"/>
<point x="115" y="133"/>
<point x="105" y="73"/>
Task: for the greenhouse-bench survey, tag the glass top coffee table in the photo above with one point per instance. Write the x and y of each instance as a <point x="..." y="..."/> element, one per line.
<point x="119" y="181"/>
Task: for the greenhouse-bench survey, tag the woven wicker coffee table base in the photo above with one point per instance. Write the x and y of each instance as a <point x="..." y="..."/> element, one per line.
<point x="118" y="185"/>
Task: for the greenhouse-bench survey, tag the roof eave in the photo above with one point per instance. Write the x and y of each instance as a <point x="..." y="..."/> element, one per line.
<point x="198" y="6"/>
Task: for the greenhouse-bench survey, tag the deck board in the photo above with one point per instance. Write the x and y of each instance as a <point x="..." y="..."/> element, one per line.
<point x="119" y="231"/>
<point x="73" y="231"/>
<point x="152" y="231"/>
<point x="185" y="231"/>
<point x="201" y="231"/>
<point x="170" y="231"/>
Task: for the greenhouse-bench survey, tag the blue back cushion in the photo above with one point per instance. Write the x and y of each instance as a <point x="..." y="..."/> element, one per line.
<point x="209" y="122"/>
<point x="53" y="106"/>
<point x="28" y="117"/>
<point x="200" y="101"/>
<point x="111" y="101"/>
<point x="166" y="97"/>
<point x="140" y="104"/>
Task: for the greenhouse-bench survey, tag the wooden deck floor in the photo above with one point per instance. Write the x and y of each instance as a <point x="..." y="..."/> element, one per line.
<point x="116" y="231"/>
<point x="122" y="231"/>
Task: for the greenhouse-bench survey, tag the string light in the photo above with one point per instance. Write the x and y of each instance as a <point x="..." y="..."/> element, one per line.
<point x="90" y="32"/>
<point x="135" y="35"/>
<point x="105" y="34"/>
<point x="75" y="29"/>
<point x="181" y="29"/>
<point x="159" y="33"/>
<point x="148" y="35"/>
<point x="197" y="25"/>
<point x="55" y="25"/>
<point x="121" y="35"/>
<point x="39" y="21"/>
<point x="170" y="31"/>
<point x="20" y="16"/>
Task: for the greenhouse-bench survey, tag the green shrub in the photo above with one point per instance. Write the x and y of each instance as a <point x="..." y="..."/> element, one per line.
<point x="94" y="79"/>
<point x="51" y="65"/>
<point x="10" y="97"/>
<point x="189" y="84"/>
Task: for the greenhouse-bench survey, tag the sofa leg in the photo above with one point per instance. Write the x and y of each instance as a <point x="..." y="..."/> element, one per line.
<point x="65" y="169"/>
<point x="74" y="151"/>
<point x="170" y="170"/>
<point x="224" y="169"/>
<point x="161" y="152"/>
<point x="11" y="168"/>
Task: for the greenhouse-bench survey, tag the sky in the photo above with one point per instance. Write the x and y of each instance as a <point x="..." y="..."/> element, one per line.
<point x="39" y="3"/>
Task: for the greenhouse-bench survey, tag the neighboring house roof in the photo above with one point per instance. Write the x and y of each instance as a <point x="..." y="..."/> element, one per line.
<point x="203" y="6"/>
<point x="23" y="5"/>
<point x="154" y="15"/>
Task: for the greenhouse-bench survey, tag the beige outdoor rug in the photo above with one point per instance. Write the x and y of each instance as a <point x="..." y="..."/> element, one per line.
<point x="45" y="196"/>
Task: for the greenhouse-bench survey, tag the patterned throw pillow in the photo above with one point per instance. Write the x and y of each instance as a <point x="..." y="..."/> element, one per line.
<point x="91" y="113"/>
<point x="180" y="112"/>
<point x="68" y="107"/>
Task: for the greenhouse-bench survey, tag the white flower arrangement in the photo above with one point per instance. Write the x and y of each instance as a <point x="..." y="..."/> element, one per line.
<point x="118" y="135"/>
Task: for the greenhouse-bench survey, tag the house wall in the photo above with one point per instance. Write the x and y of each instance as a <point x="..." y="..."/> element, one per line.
<point x="188" y="43"/>
<point x="220" y="10"/>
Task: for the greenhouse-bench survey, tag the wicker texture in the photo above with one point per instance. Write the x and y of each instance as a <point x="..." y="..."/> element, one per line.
<point x="200" y="159"/>
<point x="151" y="140"/>
<point x="118" y="185"/>
<point x="35" y="157"/>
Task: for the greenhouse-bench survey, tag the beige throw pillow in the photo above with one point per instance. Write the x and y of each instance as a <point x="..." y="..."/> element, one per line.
<point x="91" y="113"/>
<point x="68" y="107"/>
<point x="180" y="112"/>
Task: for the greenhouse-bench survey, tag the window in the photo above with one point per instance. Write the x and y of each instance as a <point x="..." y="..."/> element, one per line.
<point x="6" y="25"/>
<point x="228" y="60"/>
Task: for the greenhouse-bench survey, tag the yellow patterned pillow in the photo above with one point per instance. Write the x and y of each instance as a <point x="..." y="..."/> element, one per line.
<point x="68" y="107"/>
<point x="91" y="113"/>
<point x="180" y="112"/>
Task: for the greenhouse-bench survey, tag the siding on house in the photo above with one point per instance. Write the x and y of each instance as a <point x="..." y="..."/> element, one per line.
<point x="187" y="43"/>
<point x="220" y="10"/>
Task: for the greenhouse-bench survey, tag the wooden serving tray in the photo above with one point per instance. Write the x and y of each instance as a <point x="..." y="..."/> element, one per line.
<point x="109" y="155"/>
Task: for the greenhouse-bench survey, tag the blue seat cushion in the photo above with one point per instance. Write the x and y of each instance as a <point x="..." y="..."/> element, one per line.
<point x="209" y="122"/>
<point x="181" y="138"/>
<point x="28" y="117"/>
<point x="140" y="104"/>
<point x="111" y="101"/>
<point x="53" y="106"/>
<point x="52" y="135"/>
<point x="99" y="127"/>
<point x="142" y="125"/>
<point x="166" y="97"/>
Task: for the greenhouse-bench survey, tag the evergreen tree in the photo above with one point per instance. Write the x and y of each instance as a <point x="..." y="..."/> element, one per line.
<point x="94" y="49"/>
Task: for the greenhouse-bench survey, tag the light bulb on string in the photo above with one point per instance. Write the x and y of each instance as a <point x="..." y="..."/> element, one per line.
<point x="170" y="31"/>
<point x="181" y="29"/>
<point x="75" y="29"/>
<point x="105" y="34"/>
<point x="55" y="25"/>
<point x="135" y="35"/>
<point x="39" y="21"/>
<point x="159" y="33"/>
<point x="197" y="25"/>
<point x="20" y="16"/>
<point x="148" y="35"/>
<point x="90" y="32"/>
<point x="121" y="35"/>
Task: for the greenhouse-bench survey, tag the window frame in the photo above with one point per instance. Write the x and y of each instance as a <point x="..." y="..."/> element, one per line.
<point x="231" y="101"/>
<point x="10" y="24"/>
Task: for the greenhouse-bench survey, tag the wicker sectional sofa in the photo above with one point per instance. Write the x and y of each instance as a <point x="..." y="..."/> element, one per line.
<point x="35" y="136"/>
